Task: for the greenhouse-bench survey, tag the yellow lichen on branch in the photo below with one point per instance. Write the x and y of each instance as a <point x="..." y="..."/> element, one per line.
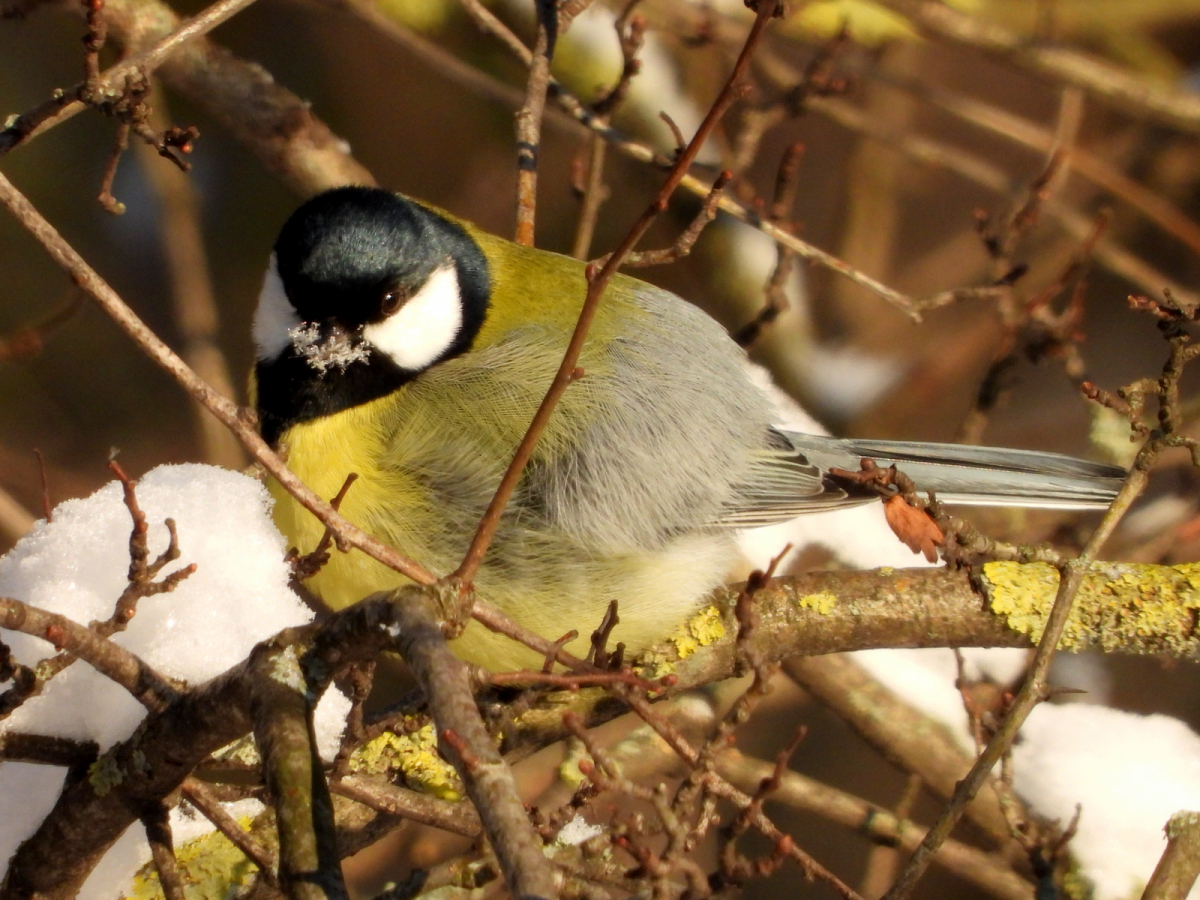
<point x="415" y="756"/>
<point x="1120" y="607"/>
<point x="702" y="629"/>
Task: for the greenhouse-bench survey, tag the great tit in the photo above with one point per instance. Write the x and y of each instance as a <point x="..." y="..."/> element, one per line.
<point x="401" y="344"/>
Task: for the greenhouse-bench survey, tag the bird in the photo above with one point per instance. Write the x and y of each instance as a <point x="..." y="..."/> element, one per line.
<point x="411" y="348"/>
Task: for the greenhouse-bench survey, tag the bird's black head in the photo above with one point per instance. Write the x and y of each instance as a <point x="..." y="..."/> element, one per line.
<point x="366" y="290"/>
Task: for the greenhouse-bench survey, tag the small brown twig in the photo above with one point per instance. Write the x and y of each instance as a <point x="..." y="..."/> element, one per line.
<point x="200" y="795"/>
<point x="676" y="132"/>
<point x="147" y="686"/>
<point x="93" y="42"/>
<point x="47" y="510"/>
<point x="598" y="654"/>
<point x="308" y="565"/>
<point x="393" y="800"/>
<point x="736" y="869"/>
<point x="141" y="572"/>
<point x="120" y="98"/>
<point x="1036" y="330"/>
<point x="575" y="680"/>
<point x="787" y="185"/>
<point x="593" y="192"/>
<point x="640" y="259"/>
<point x="631" y="35"/>
<point x="598" y="278"/>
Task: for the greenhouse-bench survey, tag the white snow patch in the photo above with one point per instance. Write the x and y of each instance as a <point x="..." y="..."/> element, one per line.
<point x="77" y="565"/>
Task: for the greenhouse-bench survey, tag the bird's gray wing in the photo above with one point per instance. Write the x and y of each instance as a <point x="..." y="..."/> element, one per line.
<point x="790" y="477"/>
<point x="976" y="476"/>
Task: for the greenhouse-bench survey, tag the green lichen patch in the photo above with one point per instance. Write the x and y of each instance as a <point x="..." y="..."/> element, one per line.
<point x="822" y="602"/>
<point x="413" y="755"/>
<point x="1126" y="607"/>
<point x="704" y="628"/>
<point x="211" y="867"/>
<point x="104" y="775"/>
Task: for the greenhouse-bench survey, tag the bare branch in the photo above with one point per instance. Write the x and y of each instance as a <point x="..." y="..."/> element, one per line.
<point x="309" y="868"/>
<point x="397" y="801"/>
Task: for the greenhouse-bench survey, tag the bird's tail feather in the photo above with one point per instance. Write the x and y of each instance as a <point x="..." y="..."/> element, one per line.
<point x="990" y="476"/>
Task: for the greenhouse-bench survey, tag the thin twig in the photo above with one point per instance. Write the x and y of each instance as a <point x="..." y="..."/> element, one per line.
<point x="594" y="194"/>
<point x="110" y="203"/>
<point x="385" y="797"/>
<point x="200" y="796"/>
<point x="1034" y="688"/>
<point x="147" y="686"/>
<point x="639" y="259"/>
<point x="597" y="281"/>
<point x="47" y="511"/>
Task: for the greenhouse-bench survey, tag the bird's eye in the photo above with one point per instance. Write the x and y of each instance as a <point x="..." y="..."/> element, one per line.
<point x="392" y="301"/>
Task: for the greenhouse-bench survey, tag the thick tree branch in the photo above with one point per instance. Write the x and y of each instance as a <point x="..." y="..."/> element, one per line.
<point x="1179" y="866"/>
<point x="281" y="708"/>
<point x="148" y="687"/>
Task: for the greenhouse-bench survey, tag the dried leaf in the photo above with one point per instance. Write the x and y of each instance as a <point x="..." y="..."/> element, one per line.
<point x="914" y="527"/>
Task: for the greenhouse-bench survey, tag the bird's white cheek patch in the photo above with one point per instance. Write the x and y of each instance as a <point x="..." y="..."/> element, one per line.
<point x="275" y="318"/>
<point x="424" y="327"/>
